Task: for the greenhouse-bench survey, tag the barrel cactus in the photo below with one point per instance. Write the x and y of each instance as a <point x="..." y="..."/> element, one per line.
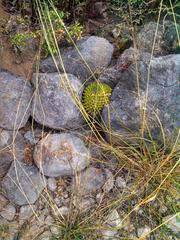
<point x="95" y="97"/>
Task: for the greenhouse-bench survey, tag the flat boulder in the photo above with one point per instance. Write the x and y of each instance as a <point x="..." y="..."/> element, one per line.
<point x="13" y="147"/>
<point x="23" y="184"/>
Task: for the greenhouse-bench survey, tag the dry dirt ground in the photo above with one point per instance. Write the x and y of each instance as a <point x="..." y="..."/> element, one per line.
<point x="9" y="60"/>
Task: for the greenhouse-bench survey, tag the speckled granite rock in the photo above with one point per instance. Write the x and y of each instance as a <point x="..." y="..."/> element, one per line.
<point x="53" y="105"/>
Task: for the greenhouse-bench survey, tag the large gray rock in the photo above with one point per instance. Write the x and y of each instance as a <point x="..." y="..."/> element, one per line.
<point x="53" y="105"/>
<point x="146" y="36"/>
<point x="15" y="101"/>
<point x="89" y="181"/>
<point x="12" y="147"/>
<point x="163" y="101"/>
<point x="95" y="54"/>
<point x="48" y="66"/>
<point x="61" y="155"/>
<point x="23" y="184"/>
<point x="164" y="36"/>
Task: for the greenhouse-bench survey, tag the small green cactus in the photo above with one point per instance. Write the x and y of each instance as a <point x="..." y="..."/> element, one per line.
<point x="95" y="97"/>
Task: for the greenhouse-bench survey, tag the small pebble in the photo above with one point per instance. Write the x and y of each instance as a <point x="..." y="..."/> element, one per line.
<point x="62" y="211"/>
<point x="109" y="184"/>
<point x="3" y="202"/>
<point x="143" y="231"/>
<point x="8" y="212"/>
<point x="52" y="185"/>
<point x="26" y="212"/>
<point x="120" y="182"/>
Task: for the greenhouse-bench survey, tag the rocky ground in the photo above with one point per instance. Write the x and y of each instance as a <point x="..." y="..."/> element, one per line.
<point x="52" y="166"/>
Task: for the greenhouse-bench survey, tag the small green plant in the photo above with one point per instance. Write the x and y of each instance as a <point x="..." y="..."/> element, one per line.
<point x="19" y="40"/>
<point x="95" y="97"/>
<point x="136" y="12"/>
<point x="67" y="234"/>
<point x="56" y="18"/>
<point x="55" y="28"/>
<point x="57" y="237"/>
<point x="55" y="2"/>
<point x="4" y="230"/>
<point x="49" y="49"/>
<point x="75" y="30"/>
<point x="68" y="5"/>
